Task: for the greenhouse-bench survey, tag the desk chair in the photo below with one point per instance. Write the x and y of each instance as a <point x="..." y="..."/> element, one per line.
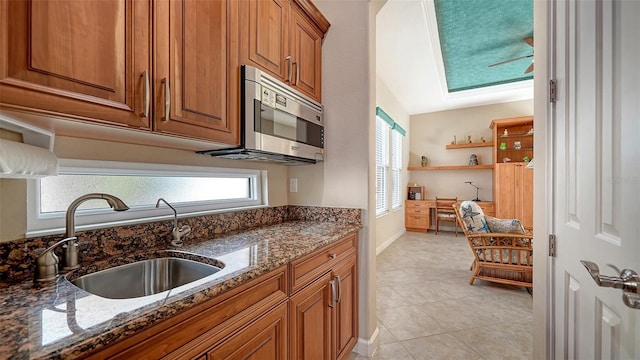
<point x="446" y="212"/>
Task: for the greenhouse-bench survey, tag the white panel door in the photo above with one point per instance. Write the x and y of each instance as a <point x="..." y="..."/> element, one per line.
<point x="596" y="183"/>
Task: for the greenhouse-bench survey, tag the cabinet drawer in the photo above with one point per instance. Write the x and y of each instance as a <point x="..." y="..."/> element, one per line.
<point x="306" y="269"/>
<point x="417" y="205"/>
<point x="418" y="211"/>
<point x="417" y="221"/>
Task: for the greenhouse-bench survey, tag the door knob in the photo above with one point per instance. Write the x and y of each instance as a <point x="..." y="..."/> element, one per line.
<point x="629" y="282"/>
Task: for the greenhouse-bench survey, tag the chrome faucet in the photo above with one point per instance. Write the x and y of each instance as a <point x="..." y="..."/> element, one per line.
<point x="176" y="234"/>
<point x="47" y="261"/>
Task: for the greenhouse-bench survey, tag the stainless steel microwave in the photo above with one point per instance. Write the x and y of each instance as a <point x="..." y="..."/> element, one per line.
<point x="278" y="123"/>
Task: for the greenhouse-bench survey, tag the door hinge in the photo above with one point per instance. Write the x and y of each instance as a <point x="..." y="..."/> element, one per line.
<point x="553" y="91"/>
<point x="552" y="245"/>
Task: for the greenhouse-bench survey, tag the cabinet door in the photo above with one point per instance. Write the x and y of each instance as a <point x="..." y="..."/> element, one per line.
<point x="264" y="36"/>
<point x="197" y="72"/>
<point x="306" y="52"/>
<point x="527" y="197"/>
<point x="505" y="190"/>
<point x="82" y="59"/>
<point x="310" y="321"/>
<point x="514" y="192"/>
<point x="346" y="309"/>
<point x="265" y="339"/>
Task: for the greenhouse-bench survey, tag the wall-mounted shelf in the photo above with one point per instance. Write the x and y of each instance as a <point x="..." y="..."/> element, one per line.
<point x="471" y="145"/>
<point x="450" y="167"/>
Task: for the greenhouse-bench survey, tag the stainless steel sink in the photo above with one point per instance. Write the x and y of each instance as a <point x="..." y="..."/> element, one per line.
<point x="145" y="277"/>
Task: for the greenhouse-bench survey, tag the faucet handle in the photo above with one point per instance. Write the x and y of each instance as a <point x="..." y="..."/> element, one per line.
<point x="47" y="261"/>
<point x="178" y="234"/>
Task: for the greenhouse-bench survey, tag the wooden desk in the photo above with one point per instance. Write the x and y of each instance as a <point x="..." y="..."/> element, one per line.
<point x="417" y="213"/>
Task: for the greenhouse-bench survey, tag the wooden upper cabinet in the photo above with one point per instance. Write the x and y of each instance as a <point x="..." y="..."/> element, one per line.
<point x="197" y="75"/>
<point x="264" y="36"/>
<point x="284" y="38"/>
<point x="86" y="59"/>
<point x="306" y="50"/>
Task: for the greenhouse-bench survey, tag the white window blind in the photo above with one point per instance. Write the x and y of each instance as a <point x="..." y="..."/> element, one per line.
<point x="389" y="137"/>
<point x="396" y="168"/>
<point x="382" y="165"/>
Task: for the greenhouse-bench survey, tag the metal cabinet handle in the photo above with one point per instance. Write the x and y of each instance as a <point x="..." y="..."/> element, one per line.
<point x="288" y="59"/>
<point x="297" y="72"/>
<point x="167" y="99"/>
<point x="333" y="293"/>
<point x="147" y="94"/>
<point x="629" y="282"/>
<point x="333" y="255"/>
<point x="339" y="282"/>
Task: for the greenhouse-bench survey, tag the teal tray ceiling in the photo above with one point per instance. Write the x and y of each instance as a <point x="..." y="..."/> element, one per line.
<point x="477" y="33"/>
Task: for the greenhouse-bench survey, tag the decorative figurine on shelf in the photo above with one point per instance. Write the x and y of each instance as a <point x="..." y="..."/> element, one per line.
<point x="424" y="161"/>
<point x="517" y="145"/>
<point x="482" y="139"/>
<point x="503" y="146"/>
<point x="473" y="159"/>
<point x="505" y="132"/>
<point x="526" y="159"/>
<point x="530" y="132"/>
<point x="506" y="160"/>
<point x="454" y="140"/>
<point x="469" y="139"/>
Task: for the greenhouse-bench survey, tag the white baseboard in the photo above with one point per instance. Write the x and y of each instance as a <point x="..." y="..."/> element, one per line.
<point x="368" y="347"/>
<point x="389" y="241"/>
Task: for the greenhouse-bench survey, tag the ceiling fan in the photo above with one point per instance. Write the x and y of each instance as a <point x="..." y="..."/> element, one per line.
<point x="529" y="41"/>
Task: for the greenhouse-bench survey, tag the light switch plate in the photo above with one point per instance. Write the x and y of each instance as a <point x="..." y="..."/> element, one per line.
<point x="293" y="185"/>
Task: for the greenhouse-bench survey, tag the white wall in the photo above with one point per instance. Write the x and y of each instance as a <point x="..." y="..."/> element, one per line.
<point x="431" y="132"/>
<point x="391" y="225"/>
<point x="344" y="179"/>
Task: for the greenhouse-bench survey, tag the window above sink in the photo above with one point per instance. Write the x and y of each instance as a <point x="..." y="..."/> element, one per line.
<point x="192" y="190"/>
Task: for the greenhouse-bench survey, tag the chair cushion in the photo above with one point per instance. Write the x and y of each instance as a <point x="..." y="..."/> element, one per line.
<point x="473" y="218"/>
<point x="496" y="225"/>
<point x="446" y="215"/>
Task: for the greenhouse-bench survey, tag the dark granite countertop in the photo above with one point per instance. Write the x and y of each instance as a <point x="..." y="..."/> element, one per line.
<point x="58" y="320"/>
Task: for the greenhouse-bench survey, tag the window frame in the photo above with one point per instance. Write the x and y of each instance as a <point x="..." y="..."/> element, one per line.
<point x="40" y="224"/>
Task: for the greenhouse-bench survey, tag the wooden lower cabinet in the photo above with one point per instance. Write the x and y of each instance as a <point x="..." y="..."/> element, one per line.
<point x="346" y="309"/>
<point x="417" y="216"/>
<point x="245" y="311"/>
<point x="310" y="321"/>
<point x="261" y="320"/>
<point x="323" y="315"/>
<point x="514" y="192"/>
<point x="264" y="339"/>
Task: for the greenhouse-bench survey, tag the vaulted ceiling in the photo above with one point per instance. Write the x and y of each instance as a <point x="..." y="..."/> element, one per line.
<point x="435" y="54"/>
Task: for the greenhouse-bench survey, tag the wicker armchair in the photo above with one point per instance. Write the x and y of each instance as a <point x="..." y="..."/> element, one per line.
<point x="503" y="251"/>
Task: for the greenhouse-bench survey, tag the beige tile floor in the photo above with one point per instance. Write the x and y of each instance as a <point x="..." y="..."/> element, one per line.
<point x="426" y="308"/>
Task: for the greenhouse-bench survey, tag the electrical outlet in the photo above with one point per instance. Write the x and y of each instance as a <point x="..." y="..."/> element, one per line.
<point x="293" y="185"/>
